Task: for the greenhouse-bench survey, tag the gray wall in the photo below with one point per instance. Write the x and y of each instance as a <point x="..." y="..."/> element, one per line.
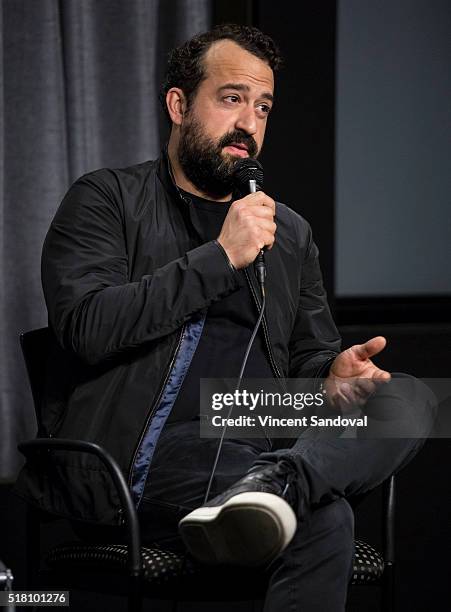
<point x="393" y="179"/>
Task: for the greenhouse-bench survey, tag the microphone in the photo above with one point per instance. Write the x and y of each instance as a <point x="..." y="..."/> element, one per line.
<point x="248" y="178"/>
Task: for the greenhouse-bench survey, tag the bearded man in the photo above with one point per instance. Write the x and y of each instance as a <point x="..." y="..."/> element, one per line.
<point x="147" y="274"/>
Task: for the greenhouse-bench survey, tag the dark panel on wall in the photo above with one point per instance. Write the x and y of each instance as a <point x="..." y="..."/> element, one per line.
<point x="299" y="149"/>
<point x="298" y="155"/>
<point x="233" y="11"/>
<point x="395" y="309"/>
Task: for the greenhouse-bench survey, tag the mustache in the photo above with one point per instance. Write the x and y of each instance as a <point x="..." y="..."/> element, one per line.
<point x="239" y="138"/>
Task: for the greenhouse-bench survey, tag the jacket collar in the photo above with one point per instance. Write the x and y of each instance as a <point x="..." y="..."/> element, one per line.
<point x="166" y="176"/>
<point x="176" y="197"/>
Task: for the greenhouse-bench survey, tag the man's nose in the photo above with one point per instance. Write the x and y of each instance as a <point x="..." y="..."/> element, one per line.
<point x="247" y="121"/>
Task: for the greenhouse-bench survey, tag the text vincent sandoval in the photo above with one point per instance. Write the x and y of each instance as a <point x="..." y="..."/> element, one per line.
<point x="305" y="421"/>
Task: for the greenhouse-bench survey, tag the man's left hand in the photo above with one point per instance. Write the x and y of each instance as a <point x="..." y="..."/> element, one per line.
<point x="353" y="377"/>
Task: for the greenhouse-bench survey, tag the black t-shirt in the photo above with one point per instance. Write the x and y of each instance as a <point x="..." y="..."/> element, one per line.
<point x="227" y="329"/>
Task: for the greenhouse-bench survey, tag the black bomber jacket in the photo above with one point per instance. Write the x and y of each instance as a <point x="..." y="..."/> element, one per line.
<point x="127" y="285"/>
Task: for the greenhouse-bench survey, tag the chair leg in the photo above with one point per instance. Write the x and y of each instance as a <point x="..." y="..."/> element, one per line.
<point x="388" y="585"/>
<point x="388" y="588"/>
<point x="134" y="594"/>
<point x="33" y="547"/>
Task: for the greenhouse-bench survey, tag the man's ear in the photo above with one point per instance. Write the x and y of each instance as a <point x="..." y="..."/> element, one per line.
<point x="176" y="103"/>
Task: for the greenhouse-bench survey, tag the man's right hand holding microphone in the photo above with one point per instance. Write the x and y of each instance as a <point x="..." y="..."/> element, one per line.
<point x="248" y="227"/>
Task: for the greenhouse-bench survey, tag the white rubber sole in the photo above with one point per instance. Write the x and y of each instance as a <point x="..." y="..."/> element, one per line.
<point x="249" y="529"/>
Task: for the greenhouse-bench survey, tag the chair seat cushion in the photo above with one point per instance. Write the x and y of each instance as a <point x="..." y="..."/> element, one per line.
<point x="368" y="564"/>
<point x="161" y="566"/>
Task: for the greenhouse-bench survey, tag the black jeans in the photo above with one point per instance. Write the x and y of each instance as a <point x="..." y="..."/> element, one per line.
<point x="313" y="572"/>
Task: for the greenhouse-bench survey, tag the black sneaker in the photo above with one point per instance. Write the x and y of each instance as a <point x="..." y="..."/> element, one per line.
<point x="249" y="524"/>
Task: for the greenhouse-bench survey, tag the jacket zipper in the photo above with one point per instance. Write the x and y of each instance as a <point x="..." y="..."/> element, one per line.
<point x="274" y="367"/>
<point x="168" y="369"/>
<point x="57" y="425"/>
<point x="155" y="404"/>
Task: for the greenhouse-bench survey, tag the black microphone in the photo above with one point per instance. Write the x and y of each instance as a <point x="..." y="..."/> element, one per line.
<point x="248" y="178"/>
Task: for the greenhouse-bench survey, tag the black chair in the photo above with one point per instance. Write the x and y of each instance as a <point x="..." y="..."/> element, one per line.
<point x="151" y="571"/>
<point x="6" y="584"/>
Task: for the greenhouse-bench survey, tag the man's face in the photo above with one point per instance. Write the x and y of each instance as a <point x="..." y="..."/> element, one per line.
<point x="227" y="118"/>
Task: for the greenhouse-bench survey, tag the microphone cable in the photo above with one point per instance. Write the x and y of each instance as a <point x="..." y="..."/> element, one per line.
<point x="238" y="385"/>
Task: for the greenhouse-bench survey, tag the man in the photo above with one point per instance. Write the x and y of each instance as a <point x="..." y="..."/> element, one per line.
<point x="148" y="280"/>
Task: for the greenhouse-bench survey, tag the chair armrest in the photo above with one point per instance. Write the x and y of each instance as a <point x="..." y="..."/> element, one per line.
<point x="131" y="518"/>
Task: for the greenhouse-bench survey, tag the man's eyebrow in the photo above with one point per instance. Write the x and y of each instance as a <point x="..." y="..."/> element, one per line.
<point x="246" y="88"/>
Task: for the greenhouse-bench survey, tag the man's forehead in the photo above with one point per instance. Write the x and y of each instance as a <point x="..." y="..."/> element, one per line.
<point x="227" y="61"/>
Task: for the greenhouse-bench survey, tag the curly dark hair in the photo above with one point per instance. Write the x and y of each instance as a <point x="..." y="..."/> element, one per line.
<point x="185" y="68"/>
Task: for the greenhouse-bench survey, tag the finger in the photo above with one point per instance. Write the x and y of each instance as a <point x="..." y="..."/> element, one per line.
<point x="344" y="393"/>
<point x="346" y="404"/>
<point x="260" y="211"/>
<point x="258" y="229"/>
<point x="380" y="376"/>
<point x="261" y="199"/>
<point x="266" y="240"/>
<point x="364" y="387"/>
<point x="266" y="225"/>
<point x="270" y="239"/>
<point x="355" y="392"/>
<point x="370" y="348"/>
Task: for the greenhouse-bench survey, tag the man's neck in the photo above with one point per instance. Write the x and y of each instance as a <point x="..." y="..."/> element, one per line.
<point x="184" y="183"/>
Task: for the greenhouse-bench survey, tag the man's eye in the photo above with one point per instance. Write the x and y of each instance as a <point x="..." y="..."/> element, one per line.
<point x="232" y="98"/>
<point x="265" y="108"/>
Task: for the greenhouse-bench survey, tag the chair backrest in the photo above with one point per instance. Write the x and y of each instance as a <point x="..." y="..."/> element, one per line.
<point x="35" y="348"/>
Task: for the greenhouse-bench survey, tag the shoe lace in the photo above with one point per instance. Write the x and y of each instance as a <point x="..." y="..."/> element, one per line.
<point x="291" y="491"/>
<point x="282" y="475"/>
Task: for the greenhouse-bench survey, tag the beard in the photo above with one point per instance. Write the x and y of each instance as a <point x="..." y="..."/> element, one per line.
<point x="203" y="162"/>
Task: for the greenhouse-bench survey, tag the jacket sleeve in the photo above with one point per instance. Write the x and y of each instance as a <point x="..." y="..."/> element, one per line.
<point x="315" y="341"/>
<point x="93" y="307"/>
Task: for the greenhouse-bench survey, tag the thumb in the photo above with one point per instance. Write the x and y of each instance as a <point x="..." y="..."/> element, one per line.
<point x="370" y="348"/>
